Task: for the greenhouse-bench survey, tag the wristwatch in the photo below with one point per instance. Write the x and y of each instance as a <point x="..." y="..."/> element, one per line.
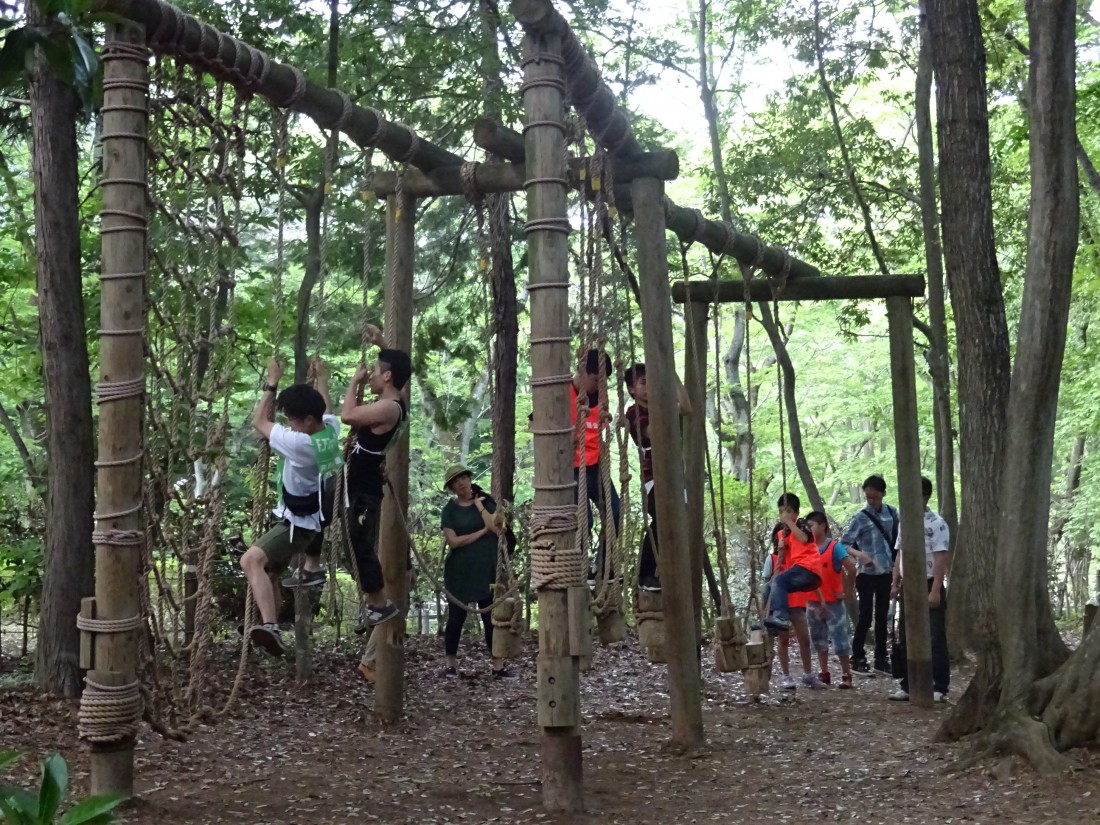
<point x="271" y="387"/>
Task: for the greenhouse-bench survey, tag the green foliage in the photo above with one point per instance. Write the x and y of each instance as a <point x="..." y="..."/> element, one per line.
<point x="22" y="807"/>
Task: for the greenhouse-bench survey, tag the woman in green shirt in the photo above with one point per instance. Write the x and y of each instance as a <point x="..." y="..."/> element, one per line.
<point x="470" y="570"/>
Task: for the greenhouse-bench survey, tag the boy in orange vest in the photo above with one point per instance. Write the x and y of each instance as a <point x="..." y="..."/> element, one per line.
<point x="828" y="616"/>
<point x="787" y="539"/>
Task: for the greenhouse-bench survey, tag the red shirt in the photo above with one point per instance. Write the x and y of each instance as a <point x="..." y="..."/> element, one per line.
<point x="591" y="429"/>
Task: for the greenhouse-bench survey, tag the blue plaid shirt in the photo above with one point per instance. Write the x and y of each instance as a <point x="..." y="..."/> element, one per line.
<point x="864" y="535"/>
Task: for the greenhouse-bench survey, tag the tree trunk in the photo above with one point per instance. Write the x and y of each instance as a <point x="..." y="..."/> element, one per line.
<point x="69" y="563"/>
<point x="1030" y="645"/>
<point x="938" y="360"/>
<point x="794" y="427"/>
<point x="313" y="203"/>
<point x="981" y="331"/>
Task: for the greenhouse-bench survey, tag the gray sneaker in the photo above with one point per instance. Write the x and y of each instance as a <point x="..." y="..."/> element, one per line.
<point x="268" y="638"/>
<point x="371" y="615"/>
<point x="305" y="578"/>
<point x="813" y="682"/>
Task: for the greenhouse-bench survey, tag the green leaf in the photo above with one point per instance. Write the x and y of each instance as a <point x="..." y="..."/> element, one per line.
<point x="93" y="810"/>
<point x="20" y="807"/>
<point x="55" y="781"/>
<point x="9" y="758"/>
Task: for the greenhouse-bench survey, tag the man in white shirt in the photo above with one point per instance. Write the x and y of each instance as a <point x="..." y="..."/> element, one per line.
<point x="937" y="555"/>
<point x="298" y="522"/>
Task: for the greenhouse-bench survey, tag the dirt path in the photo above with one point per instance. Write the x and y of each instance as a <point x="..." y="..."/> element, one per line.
<point x="468" y="752"/>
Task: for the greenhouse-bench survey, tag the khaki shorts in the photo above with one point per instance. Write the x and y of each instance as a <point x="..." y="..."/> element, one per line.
<point x="280" y="547"/>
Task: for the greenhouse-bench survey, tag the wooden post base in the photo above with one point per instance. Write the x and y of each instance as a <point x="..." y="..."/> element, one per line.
<point x="562" y="776"/>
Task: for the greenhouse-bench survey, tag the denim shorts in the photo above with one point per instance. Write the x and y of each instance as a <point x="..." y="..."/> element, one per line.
<point x="830" y="624"/>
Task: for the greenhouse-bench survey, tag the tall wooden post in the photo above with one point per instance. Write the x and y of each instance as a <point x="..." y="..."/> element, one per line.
<point x="111" y="706"/>
<point x="556" y="563"/>
<point x="393" y="540"/>
<point x="907" y="444"/>
<point x="674" y="554"/>
<point x="695" y="446"/>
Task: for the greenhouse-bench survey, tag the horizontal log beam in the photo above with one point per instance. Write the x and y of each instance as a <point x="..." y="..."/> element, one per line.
<point x="499" y="140"/>
<point x="511" y="177"/>
<point x="588" y="93"/>
<point x="688" y="224"/>
<point x="191" y="41"/>
<point x="854" y="287"/>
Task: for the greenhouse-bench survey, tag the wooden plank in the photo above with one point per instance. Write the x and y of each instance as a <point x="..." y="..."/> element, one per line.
<point x="487" y="178"/>
<point x="192" y="41"/>
<point x="579" y="600"/>
<point x="899" y="314"/>
<point x="87" y="639"/>
<point x="393" y="546"/>
<point x="674" y="561"/>
<point x="852" y="287"/>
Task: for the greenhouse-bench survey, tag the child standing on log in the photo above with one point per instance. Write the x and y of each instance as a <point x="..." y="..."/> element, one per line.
<point x="586" y="380"/>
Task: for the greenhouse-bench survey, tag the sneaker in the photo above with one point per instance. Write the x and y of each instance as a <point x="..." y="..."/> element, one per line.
<point x="305" y="578"/>
<point x="370" y="615"/>
<point x="813" y="683"/>
<point x="268" y="638"/>
<point x="883" y="666"/>
<point x="939" y="697"/>
<point x="860" y="666"/>
<point x="777" y="624"/>
<point x="826" y="677"/>
<point x="899" y="696"/>
<point x="787" y="683"/>
<point x="845" y="681"/>
<point x="650" y="584"/>
<point x="368" y="671"/>
<point x="449" y="673"/>
<point x="503" y="673"/>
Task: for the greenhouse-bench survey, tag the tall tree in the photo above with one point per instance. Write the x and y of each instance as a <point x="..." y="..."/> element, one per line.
<point x="69" y="564"/>
<point x="981" y="329"/>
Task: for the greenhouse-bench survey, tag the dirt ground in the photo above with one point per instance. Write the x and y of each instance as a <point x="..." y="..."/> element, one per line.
<point x="468" y="753"/>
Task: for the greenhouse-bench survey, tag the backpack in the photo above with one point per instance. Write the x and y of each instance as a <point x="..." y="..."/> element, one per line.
<point x="329" y="455"/>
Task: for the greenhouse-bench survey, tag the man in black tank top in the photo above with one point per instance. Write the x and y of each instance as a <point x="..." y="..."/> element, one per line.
<point x="375" y="423"/>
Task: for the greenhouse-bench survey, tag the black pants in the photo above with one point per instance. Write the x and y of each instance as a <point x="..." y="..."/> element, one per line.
<point x="873" y="590"/>
<point x="456" y="618"/>
<point x="647" y="559"/>
<point x="941" y="661"/>
<point x="363" y="517"/>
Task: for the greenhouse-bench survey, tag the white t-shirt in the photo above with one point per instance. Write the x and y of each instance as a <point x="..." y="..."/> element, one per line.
<point x="300" y="475"/>
<point x="937" y="539"/>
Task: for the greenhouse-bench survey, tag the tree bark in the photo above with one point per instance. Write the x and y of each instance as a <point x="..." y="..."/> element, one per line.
<point x="1030" y="646"/>
<point x="981" y="330"/>
<point x="68" y="574"/>
<point x="938" y="360"/>
<point x="313" y="203"/>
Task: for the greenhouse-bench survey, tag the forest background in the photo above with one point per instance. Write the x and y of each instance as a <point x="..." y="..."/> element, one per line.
<point x="797" y="122"/>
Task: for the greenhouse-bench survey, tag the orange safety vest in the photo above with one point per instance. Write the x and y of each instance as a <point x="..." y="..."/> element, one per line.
<point x="832" y="580"/>
<point x="591" y="431"/>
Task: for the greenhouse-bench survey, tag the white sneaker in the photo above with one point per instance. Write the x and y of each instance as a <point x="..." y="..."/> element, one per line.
<point x="811" y="681"/>
<point x="899" y="696"/>
<point x="939" y="697"/>
<point x="787" y="683"/>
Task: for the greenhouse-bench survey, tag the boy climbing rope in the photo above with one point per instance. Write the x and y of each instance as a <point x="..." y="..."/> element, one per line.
<point x="375" y="422"/>
<point x="829" y="619"/>
<point x="637" y="418"/>
<point x="586" y="380"/>
<point x="308" y="444"/>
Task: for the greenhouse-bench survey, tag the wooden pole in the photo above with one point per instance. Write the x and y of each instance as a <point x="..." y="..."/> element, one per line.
<point x="852" y="287"/>
<point x="393" y="540"/>
<point x="588" y="93"/>
<point x="556" y="563"/>
<point x="199" y="44"/>
<point x="899" y="312"/>
<point x="674" y="554"/>
<point x="695" y="446"/>
<point x="488" y="178"/>
<point x="110" y="709"/>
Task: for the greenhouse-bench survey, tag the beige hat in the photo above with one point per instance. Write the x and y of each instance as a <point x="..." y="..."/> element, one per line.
<point x="453" y="472"/>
